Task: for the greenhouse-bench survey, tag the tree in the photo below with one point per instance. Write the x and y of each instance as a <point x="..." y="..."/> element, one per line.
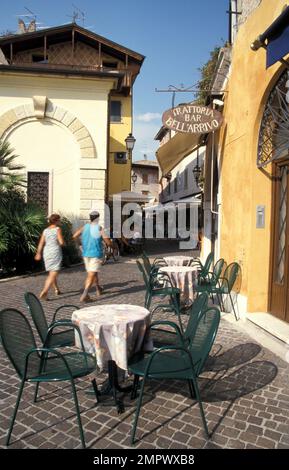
<point x="9" y="176"/>
<point x="207" y="74"/>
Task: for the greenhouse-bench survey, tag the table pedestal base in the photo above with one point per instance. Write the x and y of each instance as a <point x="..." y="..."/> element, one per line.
<point x="111" y="387"/>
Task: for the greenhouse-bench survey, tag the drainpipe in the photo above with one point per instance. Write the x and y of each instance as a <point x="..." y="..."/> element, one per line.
<point x="213" y="212"/>
<point x="212" y="174"/>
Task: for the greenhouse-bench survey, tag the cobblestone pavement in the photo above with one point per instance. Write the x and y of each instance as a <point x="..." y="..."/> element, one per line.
<point x="245" y="388"/>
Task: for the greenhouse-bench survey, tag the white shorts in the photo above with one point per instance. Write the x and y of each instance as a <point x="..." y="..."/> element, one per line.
<point x="92" y="265"/>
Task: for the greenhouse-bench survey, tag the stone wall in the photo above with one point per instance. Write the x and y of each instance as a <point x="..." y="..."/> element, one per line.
<point x="92" y="192"/>
<point x="246" y="7"/>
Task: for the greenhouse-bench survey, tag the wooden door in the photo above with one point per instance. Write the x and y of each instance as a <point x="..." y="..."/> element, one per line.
<point x="280" y="260"/>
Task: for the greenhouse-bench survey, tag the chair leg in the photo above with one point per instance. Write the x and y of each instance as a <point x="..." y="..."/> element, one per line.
<point x="146" y="300"/>
<point x="134" y="387"/>
<point x="222" y="303"/>
<point x="198" y="397"/>
<point x="36" y="391"/>
<point x="137" y="411"/>
<point x="219" y="301"/>
<point x="149" y="301"/>
<point x="191" y="388"/>
<point x="94" y="386"/>
<point x="15" y="412"/>
<point x="232" y="303"/>
<point x="77" y="413"/>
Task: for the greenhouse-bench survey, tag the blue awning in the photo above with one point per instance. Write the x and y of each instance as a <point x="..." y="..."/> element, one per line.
<point x="276" y="38"/>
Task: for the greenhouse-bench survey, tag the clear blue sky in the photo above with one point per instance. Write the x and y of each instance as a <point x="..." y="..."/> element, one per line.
<point x="176" y="36"/>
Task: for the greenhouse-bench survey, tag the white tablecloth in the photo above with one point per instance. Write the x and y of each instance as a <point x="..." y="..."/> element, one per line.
<point x="182" y="277"/>
<point x="113" y="331"/>
<point x="178" y="260"/>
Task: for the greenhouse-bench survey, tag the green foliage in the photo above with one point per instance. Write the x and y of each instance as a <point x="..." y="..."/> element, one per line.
<point x="70" y="251"/>
<point x="21" y="224"/>
<point x="207" y="74"/>
<point x="9" y="171"/>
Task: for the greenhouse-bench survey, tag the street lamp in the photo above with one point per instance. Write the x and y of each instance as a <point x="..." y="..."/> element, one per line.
<point x="129" y="142"/>
<point x="134" y="178"/>
<point x="197" y="171"/>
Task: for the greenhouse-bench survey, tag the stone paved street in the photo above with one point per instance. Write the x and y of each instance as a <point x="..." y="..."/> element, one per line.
<point x="245" y="388"/>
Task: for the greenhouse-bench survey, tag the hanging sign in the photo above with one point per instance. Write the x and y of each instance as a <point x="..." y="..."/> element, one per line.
<point x="192" y="119"/>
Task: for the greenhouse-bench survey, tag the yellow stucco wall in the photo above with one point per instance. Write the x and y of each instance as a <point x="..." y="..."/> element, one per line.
<point x="58" y="143"/>
<point x="119" y="175"/>
<point x="243" y="186"/>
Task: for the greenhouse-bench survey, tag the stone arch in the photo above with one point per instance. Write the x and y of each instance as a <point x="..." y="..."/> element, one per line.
<point x="42" y="108"/>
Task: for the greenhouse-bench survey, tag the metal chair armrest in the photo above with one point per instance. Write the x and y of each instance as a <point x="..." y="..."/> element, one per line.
<point x="63" y="323"/>
<point x="167" y="306"/>
<point x="46" y="351"/>
<point x="172" y="325"/>
<point x="221" y="280"/>
<point x="64" y="306"/>
<point x="167" y="348"/>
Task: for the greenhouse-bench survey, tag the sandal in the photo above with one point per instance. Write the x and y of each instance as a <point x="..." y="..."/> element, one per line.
<point x="57" y="292"/>
<point x="43" y="296"/>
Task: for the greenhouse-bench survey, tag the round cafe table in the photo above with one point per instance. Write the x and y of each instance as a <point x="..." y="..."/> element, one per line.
<point x="182" y="277"/>
<point x="112" y="332"/>
<point x="178" y="260"/>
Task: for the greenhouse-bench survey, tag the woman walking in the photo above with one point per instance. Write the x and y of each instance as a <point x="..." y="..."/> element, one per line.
<point x="51" y="242"/>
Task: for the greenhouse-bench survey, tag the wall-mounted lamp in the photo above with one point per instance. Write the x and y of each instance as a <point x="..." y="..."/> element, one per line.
<point x="134" y="178"/>
<point x="197" y="173"/>
<point x="197" y="170"/>
<point x="129" y="142"/>
<point x="168" y="176"/>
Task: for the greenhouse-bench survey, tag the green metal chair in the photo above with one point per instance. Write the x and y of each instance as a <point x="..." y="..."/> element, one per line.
<point x="203" y="269"/>
<point x="181" y="362"/>
<point x="38" y="365"/>
<point x="226" y="283"/>
<point x="211" y="279"/>
<point x="57" y="339"/>
<point x="199" y="305"/>
<point x="152" y="267"/>
<point x="155" y="287"/>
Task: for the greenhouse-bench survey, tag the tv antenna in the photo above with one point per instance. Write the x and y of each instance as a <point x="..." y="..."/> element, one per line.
<point x="31" y="13"/>
<point x="77" y="14"/>
<point x="173" y="89"/>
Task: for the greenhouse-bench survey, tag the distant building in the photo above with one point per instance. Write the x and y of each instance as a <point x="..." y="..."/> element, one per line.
<point x="179" y="182"/>
<point x="145" y="178"/>
<point x="66" y="109"/>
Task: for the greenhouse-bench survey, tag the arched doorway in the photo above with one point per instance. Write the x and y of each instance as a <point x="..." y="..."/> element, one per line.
<point x="51" y="157"/>
<point x="274" y="148"/>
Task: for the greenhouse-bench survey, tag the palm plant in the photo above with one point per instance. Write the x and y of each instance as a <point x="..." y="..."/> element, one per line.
<point x="21" y="224"/>
<point x="9" y="178"/>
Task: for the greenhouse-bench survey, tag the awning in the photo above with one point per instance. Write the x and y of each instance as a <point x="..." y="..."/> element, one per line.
<point x="131" y="196"/>
<point x="275" y="39"/>
<point x="177" y="148"/>
<point x="154" y="208"/>
<point x="189" y="200"/>
<point x="161" y="207"/>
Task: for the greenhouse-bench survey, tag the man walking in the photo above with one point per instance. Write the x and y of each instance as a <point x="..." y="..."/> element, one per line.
<point x="92" y="251"/>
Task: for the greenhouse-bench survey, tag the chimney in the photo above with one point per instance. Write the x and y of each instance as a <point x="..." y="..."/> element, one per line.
<point x="22" y="28"/>
<point x="31" y="27"/>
